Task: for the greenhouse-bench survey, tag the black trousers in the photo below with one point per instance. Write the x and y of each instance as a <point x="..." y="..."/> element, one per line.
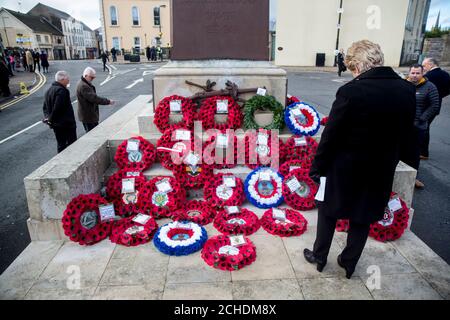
<point x="89" y="126"/>
<point x="65" y="137"/>
<point x="356" y="240"/>
<point x="4" y="87"/>
<point x="425" y="145"/>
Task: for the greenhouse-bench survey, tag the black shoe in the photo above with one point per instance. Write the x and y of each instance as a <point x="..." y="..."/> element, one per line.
<point x="348" y="271"/>
<point x="309" y="256"/>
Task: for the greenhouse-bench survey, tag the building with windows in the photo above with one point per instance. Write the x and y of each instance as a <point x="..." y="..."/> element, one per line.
<point x="90" y="42"/>
<point x="133" y="25"/>
<point x="30" y="32"/>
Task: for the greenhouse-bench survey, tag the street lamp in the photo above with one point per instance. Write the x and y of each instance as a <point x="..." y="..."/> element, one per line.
<point x="338" y="32"/>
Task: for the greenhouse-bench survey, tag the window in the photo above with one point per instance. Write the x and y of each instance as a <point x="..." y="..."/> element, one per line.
<point x="38" y="38"/>
<point x="135" y="15"/>
<point x="156" y="16"/>
<point x="116" y="43"/>
<point x="46" y="39"/>
<point x="137" y="42"/>
<point x="113" y="13"/>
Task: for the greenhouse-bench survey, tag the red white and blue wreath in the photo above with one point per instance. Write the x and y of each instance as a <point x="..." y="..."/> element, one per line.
<point x="300" y="148"/>
<point x="177" y="141"/>
<point x="259" y="149"/>
<point x="284" y="223"/>
<point x="302" y="119"/>
<point x="224" y="189"/>
<point x="221" y="150"/>
<point x="219" y="253"/>
<point x="292" y="165"/>
<point x="133" y="231"/>
<point x="82" y="221"/>
<point x="199" y="212"/>
<point x="175" y="105"/>
<point x="124" y="190"/>
<point x="180" y="238"/>
<point x="263" y="188"/>
<point x="235" y="220"/>
<point x="299" y="190"/>
<point x="216" y="105"/>
<point x="162" y="195"/>
<point x="394" y="222"/>
<point x="135" y="154"/>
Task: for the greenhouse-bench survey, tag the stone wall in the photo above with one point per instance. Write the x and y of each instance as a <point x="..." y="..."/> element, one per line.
<point x="438" y="48"/>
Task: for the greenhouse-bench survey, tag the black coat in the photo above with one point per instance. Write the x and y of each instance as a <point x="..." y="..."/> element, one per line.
<point x="441" y="79"/>
<point x="370" y="122"/>
<point x="58" y="107"/>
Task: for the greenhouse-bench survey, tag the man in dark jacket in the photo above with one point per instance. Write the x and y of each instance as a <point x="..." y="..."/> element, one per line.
<point x="427" y="107"/>
<point x="104" y="58"/>
<point x="441" y="79"/>
<point x="37" y="60"/>
<point x="370" y="122"/>
<point x="88" y="101"/>
<point x="4" y="79"/>
<point x="58" y="111"/>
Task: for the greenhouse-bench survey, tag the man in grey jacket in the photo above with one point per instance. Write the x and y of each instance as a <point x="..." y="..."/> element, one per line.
<point x="88" y="100"/>
<point x="427" y="107"/>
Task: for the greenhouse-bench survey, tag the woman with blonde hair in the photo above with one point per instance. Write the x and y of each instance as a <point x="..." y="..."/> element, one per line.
<point x="369" y="123"/>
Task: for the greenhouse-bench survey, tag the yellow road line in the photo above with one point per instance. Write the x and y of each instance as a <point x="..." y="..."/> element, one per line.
<point x="42" y="81"/>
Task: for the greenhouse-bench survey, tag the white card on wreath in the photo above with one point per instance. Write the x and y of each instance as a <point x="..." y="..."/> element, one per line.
<point x="292" y="168"/>
<point x="278" y="214"/>
<point x="265" y="176"/>
<point x="293" y="184"/>
<point x="320" y="195"/>
<point x="132" y="145"/>
<point x="261" y="92"/>
<point x="192" y="159"/>
<point x="232" y="209"/>
<point x="300" y="142"/>
<point x="222" y="141"/>
<point x="229" y="250"/>
<point x="134" y="229"/>
<point x="142" y="218"/>
<point x="175" y="106"/>
<point x="395" y="205"/>
<point x="182" y="135"/>
<point x="133" y="174"/>
<point x="237" y="241"/>
<point x="229" y="181"/>
<point x="222" y="106"/>
<point x="128" y="185"/>
<point x="263" y="139"/>
<point x="107" y="212"/>
<point x="182" y="225"/>
<point x="164" y="186"/>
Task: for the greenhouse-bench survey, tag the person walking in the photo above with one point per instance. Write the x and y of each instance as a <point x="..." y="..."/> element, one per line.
<point x="148" y="53"/>
<point x="58" y="111"/>
<point x="341" y="63"/>
<point x="30" y="60"/>
<point x="427" y="107"/>
<point x="37" y="60"/>
<point x="44" y="62"/>
<point x="4" y="79"/>
<point x="441" y="79"/>
<point x="88" y="100"/>
<point x="104" y="58"/>
<point x="153" y="53"/>
<point x="114" y="54"/>
<point x="370" y="121"/>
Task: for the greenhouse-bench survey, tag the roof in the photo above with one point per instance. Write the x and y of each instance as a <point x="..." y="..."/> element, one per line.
<point x="86" y="28"/>
<point x="35" y="23"/>
<point x="42" y="8"/>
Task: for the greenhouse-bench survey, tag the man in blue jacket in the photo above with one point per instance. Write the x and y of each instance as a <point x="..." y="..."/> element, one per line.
<point x="441" y="79"/>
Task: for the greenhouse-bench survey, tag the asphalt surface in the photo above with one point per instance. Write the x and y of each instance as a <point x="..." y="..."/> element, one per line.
<point x="27" y="151"/>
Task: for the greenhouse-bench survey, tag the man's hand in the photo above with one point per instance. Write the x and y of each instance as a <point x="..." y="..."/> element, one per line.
<point x="47" y="122"/>
<point x="112" y="102"/>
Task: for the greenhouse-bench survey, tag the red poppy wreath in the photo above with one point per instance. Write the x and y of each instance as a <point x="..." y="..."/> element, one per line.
<point x="242" y="222"/>
<point x="192" y="173"/>
<point x="82" y="222"/>
<point x="174" y="104"/>
<point x="126" y="201"/>
<point x="259" y="149"/>
<point x="162" y="195"/>
<point x="224" y="189"/>
<point x="292" y="165"/>
<point x="135" y="154"/>
<point x="132" y="232"/>
<point x="300" y="148"/>
<point x="394" y="222"/>
<point x="195" y="211"/>
<point x="218" y="253"/>
<point x="176" y="142"/>
<point x="220" y="105"/>
<point x="299" y="190"/>
<point x="221" y="150"/>
<point x="284" y="223"/>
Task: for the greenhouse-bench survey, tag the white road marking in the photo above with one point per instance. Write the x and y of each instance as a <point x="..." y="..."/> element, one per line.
<point x="114" y="67"/>
<point x="126" y="71"/>
<point x="109" y="78"/>
<point x="20" y="132"/>
<point x="135" y="83"/>
<point x="146" y="73"/>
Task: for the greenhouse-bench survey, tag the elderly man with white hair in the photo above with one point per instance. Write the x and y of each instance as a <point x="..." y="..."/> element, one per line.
<point x="88" y="100"/>
<point x="58" y="111"/>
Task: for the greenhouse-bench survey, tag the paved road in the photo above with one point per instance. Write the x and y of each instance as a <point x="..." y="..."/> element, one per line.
<point x="26" y="152"/>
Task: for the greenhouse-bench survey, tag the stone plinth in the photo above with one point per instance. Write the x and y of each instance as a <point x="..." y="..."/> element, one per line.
<point x="170" y="79"/>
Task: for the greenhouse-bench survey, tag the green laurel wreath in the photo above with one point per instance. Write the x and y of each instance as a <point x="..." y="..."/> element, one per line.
<point x="264" y="103"/>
